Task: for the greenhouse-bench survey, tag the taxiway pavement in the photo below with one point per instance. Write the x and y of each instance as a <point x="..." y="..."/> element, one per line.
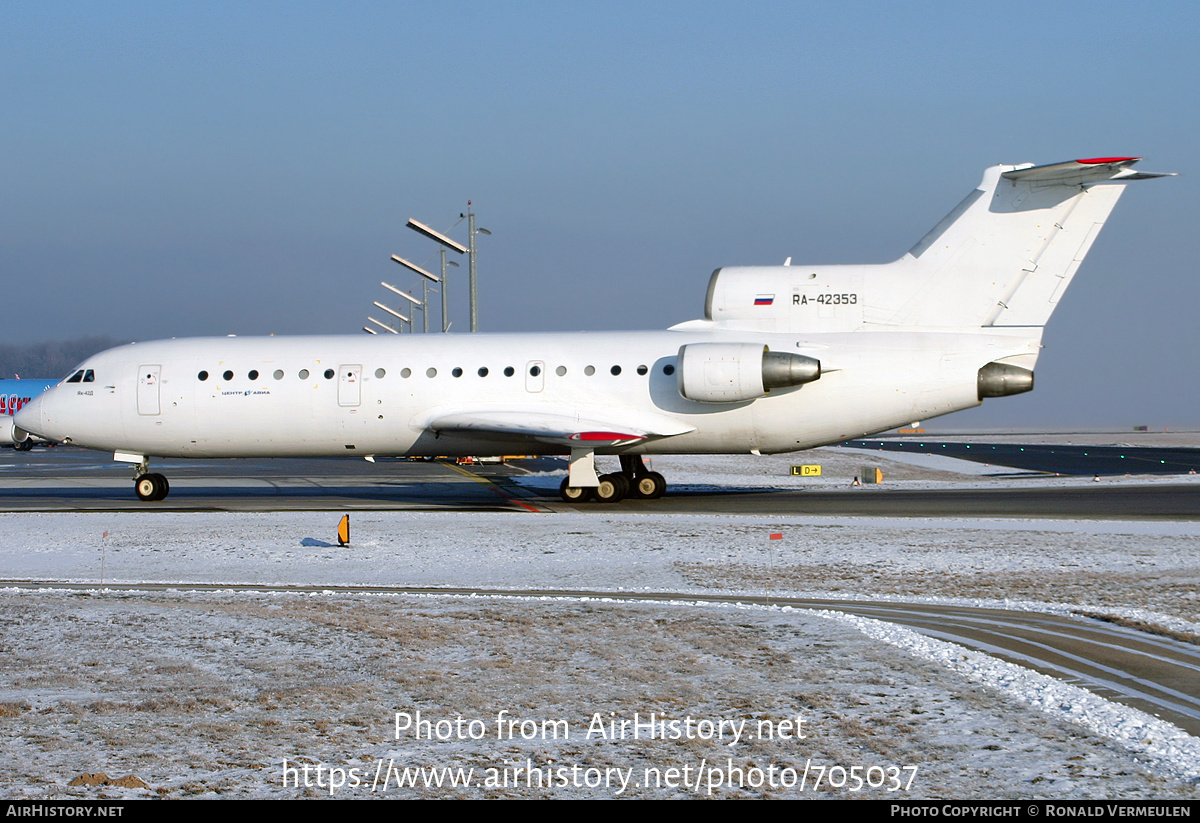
<point x="65" y="479"/>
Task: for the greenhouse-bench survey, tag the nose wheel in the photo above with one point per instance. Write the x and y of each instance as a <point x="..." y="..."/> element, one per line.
<point x="151" y="487"/>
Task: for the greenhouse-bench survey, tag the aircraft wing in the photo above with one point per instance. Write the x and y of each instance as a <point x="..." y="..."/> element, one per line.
<point x="562" y="428"/>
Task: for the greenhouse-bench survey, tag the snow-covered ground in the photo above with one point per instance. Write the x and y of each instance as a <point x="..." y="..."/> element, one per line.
<point x="233" y="694"/>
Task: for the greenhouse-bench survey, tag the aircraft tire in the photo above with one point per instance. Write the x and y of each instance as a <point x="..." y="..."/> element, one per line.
<point x="145" y="487"/>
<point x="151" y="487"/>
<point x="574" y="494"/>
<point x="25" y="445"/>
<point x="649" y="486"/>
<point x="613" y="488"/>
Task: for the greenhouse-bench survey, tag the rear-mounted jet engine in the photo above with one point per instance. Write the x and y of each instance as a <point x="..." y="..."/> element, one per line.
<point x="732" y="372"/>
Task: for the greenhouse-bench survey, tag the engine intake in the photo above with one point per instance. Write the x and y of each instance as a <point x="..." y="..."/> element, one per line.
<point x="10" y="435"/>
<point x="732" y="372"/>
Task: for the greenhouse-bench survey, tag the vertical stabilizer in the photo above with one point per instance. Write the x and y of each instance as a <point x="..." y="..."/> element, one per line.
<point x="1005" y="256"/>
<point x="1001" y="259"/>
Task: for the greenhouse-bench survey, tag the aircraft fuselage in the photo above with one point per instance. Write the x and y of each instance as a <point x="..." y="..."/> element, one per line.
<point x="356" y="395"/>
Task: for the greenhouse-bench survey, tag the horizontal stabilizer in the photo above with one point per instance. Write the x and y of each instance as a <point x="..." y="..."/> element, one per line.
<point x="1082" y="172"/>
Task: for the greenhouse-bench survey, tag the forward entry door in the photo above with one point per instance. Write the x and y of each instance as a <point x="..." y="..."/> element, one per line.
<point x="147" y="392"/>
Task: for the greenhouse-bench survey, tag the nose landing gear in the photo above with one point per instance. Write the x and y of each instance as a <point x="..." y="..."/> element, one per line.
<point x="151" y="487"/>
<point x="148" y="486"/>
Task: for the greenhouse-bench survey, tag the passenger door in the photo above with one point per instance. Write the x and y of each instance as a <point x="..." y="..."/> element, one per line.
<point x="147" y="391"/>
<point x="349" y="385"/>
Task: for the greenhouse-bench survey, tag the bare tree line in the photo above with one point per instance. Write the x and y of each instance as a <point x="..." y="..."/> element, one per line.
<point x="49" y="360"/>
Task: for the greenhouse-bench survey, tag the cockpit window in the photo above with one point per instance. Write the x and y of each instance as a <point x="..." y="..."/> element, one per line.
<point x="89" y="376"/>
<point x="77" y="377"/>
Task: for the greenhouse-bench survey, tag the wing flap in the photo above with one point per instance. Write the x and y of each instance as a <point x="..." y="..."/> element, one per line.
<point x="564" y="429"/>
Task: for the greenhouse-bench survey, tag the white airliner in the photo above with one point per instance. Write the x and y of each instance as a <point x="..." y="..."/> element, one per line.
<point x="14" y="394"/>
<point x="787" y="358"/>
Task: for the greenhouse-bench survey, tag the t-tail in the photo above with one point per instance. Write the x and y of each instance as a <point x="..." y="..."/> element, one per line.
<point x="1000" y="260"/>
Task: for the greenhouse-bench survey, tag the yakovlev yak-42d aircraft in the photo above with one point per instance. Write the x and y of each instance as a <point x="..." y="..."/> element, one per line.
<point x="786" y="358"/>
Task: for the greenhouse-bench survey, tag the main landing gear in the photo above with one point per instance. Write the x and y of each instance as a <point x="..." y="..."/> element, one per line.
<point x="633" y="480"/>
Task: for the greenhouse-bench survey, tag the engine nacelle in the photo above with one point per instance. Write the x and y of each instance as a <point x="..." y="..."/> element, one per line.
<point x="10" y="435"/>
<point x="732" y="372"/>
<point x="1003" y="379"/>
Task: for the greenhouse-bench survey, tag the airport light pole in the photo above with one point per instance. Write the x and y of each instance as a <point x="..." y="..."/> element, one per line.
<point x="446" y="243"/>
<point x="397" y="314"/>
<point x="416" y="304"/>
<point x="445" y="315"/>
<point x="428" y="277"/>
<point x="471" y="232"/>
<point x="384" y="326"/>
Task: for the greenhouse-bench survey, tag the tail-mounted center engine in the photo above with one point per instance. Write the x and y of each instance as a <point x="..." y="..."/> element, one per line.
<point x="730" y="372"/>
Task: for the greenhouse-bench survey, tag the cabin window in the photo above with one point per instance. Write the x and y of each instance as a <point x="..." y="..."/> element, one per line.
<point x="202" y="376"/>
<point x="431" y="372"/>
<point x="560" y="371"/>
<point x="253" y="374"/>
<point x="303" y="375"/>
<point x="278" y="375"/>
<point x="589" y="370"/>
<point x="379" y="373"/>
<point x="668" y="369"/>
<point x="615" y="370"/>
<point x="228" y="375"/>
<point x="329" y="374"/>
<point x="483" y="372"/>
<point x="642" y="370"/>
<point x="456" y="371"/>
<point x="534" y="371"/>
<point x="406" y="373"/>
<point x="509" y="371"/>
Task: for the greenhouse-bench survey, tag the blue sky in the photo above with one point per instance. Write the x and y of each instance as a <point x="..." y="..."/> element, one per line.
<point x="248" y="168"/>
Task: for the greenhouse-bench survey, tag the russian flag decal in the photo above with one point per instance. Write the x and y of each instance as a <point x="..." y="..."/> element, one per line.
<point x="764" y="300"/>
